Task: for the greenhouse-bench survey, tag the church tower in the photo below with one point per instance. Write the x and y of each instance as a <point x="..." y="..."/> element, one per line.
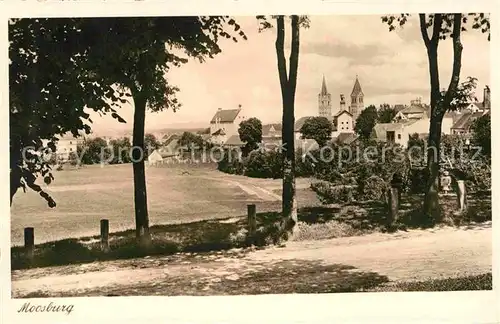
<point x="357" y="104"/>
<point x="325" y="102"/>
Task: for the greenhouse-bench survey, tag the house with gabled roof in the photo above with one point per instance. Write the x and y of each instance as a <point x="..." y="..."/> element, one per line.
<point x="225" y="123"/>
<point x="271" y="134"/>
<point x="464" y="124"/>
<point x="413" y="112"/>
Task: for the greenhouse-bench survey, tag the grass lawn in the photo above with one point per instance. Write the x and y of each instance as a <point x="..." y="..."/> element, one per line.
<point x="315" y="223"/>
<point x="92" y="193"/>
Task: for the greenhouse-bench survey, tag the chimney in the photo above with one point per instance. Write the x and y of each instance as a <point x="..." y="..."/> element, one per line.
<point x="342" y="102"/>
<point x="219" y="109"/>
<point x="487" y="98"/>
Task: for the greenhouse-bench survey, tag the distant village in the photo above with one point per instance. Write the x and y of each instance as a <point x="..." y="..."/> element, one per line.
<point x="222" y="130"/>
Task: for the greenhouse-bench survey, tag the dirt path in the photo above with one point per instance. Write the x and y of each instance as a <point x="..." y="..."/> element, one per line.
<point x="406" y="256"/>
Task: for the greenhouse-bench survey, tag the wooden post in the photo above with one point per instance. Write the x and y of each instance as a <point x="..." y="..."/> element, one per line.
<point x="393" y="205"/>
<point x="104" y="235"/>
<point x="29" y="243"/>
<point x="252" y="221"/>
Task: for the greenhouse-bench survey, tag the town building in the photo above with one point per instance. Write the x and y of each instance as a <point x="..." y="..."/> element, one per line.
<point x="225" y="123"/>
<point x="325" y="102"/>
<point x="357" y="100"/>
<point x="66" y="145"/>
<point x="466" y="118"/>
<point x="271" y="134"/>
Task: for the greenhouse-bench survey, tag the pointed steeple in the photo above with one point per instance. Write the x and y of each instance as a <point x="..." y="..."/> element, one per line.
<point x="356" y="90"/>
<point x="324" y="91"/>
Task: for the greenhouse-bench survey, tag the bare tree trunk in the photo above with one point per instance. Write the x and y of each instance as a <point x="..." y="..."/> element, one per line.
<point x="439" y="105"/>
<point x="140" y="196"/>
<point x="288" y="86"/>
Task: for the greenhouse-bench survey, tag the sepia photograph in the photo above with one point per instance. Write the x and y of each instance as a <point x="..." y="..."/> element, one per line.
<point x="249" y="155"/>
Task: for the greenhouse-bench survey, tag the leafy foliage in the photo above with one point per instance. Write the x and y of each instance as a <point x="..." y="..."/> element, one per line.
<point x="482" y="134"/>
<point x="191" y="141"/>
<point x="151" y="143"/>
<point x="250" y="132"/>
<point x="94" y="151"/>
<point x="385" y="113"/>
<point x="59" y="67"/>
<point x="262" y="164"/>
<point x="318" y="129"/>
<point x="121" y="150"/>
<point x="366" y="121"/>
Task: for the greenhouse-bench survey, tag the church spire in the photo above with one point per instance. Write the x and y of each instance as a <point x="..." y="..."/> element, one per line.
<point x="356" y="90"/>
<point x="324" y="91"/>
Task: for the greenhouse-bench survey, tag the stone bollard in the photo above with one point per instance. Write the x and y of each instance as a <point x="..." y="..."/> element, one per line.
<point x="252" y="221"/>
<point x="461" y="195"/>
<point x="29" y="243"/>
<point x="104" y="235"/>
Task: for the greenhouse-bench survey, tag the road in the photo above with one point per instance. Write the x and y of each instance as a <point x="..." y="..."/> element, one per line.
<point x="404" y="256"/>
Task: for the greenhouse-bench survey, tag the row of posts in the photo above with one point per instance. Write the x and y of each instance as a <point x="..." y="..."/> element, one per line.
<point x="394" y="195"/>
<point x="393" y="204"/>
<point x="29" y="239"/>
<point x="29" y="233"/>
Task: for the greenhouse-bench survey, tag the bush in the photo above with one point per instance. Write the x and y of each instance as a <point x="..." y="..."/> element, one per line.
<point x="329" y="193"/>
<point x="417" y="181"/>
<point x="230" y="163"/>
<point x="264" y="165"/>
<point x="374" y="188"/>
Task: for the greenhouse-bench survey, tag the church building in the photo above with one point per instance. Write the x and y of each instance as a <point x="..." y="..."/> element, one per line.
<point x="325" y="102"/>
<point x="354" y="109"/>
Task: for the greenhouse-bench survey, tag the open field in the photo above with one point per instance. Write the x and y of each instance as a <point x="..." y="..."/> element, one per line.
<point x="92" y="193"/>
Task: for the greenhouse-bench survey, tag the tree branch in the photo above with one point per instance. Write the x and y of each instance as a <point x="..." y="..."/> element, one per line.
<point x="280" y="51"/>
<point x="294" y="55"/>
<point x="423" y="29"/>
<point x="457" y="61"/>
<point x="436" y="28"/>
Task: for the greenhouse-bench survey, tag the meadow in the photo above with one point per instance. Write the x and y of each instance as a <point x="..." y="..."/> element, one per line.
<point x="176" y="194"/>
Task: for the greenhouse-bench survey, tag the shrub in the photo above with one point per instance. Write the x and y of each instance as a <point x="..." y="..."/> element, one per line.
<point x="261" y="164"/>
<point x="230" y="163"/>
<point x="374" y="188"/>
<point x="417" y="181"/>
<point x="329" y="193"/>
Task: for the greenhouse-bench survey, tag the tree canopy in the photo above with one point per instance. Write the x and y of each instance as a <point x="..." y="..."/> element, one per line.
<point x="386" y="113"/>
<point x="366" y="121"/>
<point x="482" y="134"/>
<point x="317" y="128"/>
<point x="60" y="66"/>
<point x="250" y="132"/>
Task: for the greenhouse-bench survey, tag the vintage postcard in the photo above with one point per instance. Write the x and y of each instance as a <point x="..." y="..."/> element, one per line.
<point x="238" y="161"/>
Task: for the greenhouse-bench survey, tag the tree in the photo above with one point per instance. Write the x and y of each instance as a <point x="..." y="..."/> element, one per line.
<point x="366" y="121"/>
<point x="73" y="158"/>
<point x="50" y="84"/>
<point x="250" y="132"/>
<point x="94" y="151"/>
<point x="481" y="135"/>
<point x="191" y="141"/>
<point x="107" y="60"/>
<point x="318" y="129"/>
<point x="121" y="149"/>
<point x="386" y="113"/>
<point x="454" y="97"/>
<point x="151" y="143"/>
<point x="288" y="84"/>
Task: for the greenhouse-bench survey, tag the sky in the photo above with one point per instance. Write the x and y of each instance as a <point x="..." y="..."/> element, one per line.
<point x="391" y="67"/>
